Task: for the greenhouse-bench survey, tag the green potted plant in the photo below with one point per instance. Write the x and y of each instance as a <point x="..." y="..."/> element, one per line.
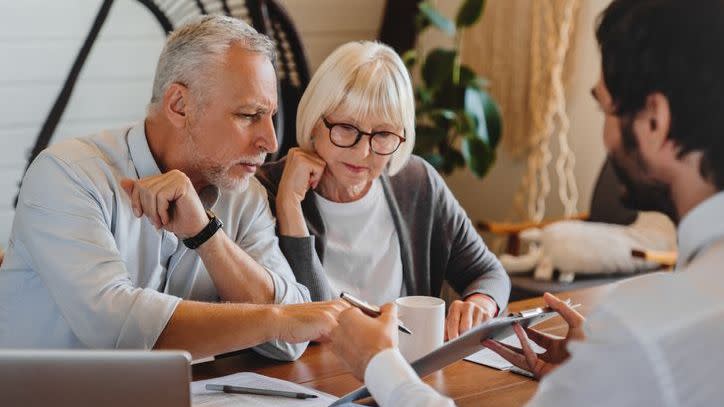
<point x="458" y="123"/>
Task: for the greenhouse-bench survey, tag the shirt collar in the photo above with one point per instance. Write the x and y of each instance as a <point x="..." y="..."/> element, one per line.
<point x="141" y="153"/>
<point x="209" y="196"/>
<point x="146" y="165"/>
<point x="700" y="227"/>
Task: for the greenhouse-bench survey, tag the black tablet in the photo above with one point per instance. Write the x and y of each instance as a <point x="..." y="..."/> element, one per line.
<point x="465" y="345"/>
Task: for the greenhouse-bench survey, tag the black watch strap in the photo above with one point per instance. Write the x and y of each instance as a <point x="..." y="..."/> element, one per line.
<point x="212" y="227"/>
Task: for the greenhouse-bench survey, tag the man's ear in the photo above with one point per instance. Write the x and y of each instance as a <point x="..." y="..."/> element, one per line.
<point x="175" y="104"/>
<point x="658" y="120"/>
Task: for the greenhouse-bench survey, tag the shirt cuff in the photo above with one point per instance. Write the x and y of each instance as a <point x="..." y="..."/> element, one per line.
<point x="285" y="292"/>
<point x="146" y="319"/>
<point x="386" y="372"/>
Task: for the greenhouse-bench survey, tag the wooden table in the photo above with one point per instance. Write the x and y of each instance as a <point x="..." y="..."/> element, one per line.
<point x="468" y="383"/>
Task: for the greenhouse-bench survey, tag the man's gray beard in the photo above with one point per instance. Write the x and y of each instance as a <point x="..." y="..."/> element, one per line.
<point x="219" y="177"/>
<point x="216" y="174"/>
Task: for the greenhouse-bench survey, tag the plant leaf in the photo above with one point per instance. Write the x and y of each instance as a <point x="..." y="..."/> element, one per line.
<point x="442" y="117"/>
<point x="468" y="77"/>
<point x="438" y="66"/>
<point x="493" y="119"/>
<point x="421" y="23"/>
<point x="434" y="159"/>
<point x="466" y="125"/>
<point x="453" y="159"/>
<point x="438" y="20"/>
<point x="427" y="138"/>
<point x="409" y="58"/>
<point x="483" y="109"/>
<point x="469" y="13"/>
<point x="423" y="97"/>
<point x="475" y="108"/>
<point x="478" y="155"/>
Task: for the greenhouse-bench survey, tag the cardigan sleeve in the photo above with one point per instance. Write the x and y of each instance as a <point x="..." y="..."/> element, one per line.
<point x="307" y="267"/>
<point x="300" y="252"/>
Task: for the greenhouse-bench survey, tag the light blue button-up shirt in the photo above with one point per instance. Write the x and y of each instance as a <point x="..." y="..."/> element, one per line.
<point x="81" y="271"/>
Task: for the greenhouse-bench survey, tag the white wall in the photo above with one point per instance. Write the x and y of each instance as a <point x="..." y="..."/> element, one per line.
<point x="326" y="24"/>
<point x="40" y="38"/>
<point x="38" y="41"/>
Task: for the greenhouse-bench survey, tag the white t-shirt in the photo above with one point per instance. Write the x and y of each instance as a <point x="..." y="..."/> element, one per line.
<point x="362" y="253"/>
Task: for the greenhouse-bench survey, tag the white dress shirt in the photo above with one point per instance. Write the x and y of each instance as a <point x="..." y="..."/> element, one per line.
<point x="654" y="340"/>
<point x="81" y="271"/>
<point x="363" y="250"/>
<point x="392" y="382"/>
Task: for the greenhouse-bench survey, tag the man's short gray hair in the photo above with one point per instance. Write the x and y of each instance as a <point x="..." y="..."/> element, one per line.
<point x="199" y="43"/>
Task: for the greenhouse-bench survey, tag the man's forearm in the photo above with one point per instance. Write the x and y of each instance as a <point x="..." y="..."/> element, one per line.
<point x="206" y="329"/>
<point x="237" y="276"/>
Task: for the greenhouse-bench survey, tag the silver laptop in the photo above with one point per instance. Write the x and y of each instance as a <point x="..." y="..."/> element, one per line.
<point x="94" y="378"/>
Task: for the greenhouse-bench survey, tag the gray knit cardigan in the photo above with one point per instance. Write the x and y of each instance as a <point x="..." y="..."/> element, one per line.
<point x="437" y="240"/>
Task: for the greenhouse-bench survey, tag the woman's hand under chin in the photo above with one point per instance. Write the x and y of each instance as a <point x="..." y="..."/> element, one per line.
<point x="302" y="171"/>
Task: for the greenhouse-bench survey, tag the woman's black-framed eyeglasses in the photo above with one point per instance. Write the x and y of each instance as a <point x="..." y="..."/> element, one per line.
<point x="345" y="135"/>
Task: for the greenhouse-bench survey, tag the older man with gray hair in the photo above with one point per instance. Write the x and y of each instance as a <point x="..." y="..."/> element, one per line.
<point x="157" y="235"/>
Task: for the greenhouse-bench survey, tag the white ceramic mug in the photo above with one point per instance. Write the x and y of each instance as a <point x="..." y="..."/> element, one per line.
<point x="425" y="317"/>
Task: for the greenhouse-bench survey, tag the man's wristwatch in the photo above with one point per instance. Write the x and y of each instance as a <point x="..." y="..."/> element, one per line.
<point x="212" y="227"/>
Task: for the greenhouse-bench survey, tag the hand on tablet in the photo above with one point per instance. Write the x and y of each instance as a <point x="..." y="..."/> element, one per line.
<point x="464" y="315"/>
<point x="555" y="346"/>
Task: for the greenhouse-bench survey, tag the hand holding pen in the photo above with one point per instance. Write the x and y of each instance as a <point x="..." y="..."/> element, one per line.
<point x="369" y="310"/>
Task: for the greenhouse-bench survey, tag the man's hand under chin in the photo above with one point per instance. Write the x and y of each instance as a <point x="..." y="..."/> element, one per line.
<point x="169" y="201"/>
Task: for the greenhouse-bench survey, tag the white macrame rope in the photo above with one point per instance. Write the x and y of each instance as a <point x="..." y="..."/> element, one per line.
<point x="549" y="46"/>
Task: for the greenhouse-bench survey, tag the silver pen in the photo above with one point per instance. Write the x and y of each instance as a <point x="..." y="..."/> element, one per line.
<point x="369" y="310"/>
<point x="261" y="392"/>
<point x="539" y="310"/>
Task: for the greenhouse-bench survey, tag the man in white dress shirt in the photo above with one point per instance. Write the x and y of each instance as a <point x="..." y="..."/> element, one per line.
<point x="118" y="240"/>
<point x="653" y="340"/>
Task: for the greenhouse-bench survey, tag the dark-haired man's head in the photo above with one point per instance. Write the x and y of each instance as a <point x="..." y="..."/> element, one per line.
<point x="662" y="90"/>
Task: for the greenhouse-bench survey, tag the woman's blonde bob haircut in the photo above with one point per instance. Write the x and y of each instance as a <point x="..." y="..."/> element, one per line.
<point x="363" y="80"/>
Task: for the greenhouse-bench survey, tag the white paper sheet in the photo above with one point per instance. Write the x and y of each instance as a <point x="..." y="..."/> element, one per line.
<point x="489" y="358"/>
<point x="201" y="397"/>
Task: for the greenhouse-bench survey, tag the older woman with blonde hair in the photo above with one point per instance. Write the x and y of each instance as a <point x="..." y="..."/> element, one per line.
<point x="357" y="212"/>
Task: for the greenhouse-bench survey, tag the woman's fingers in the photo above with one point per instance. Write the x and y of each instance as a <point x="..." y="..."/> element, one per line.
<point x="466" y="317"/>
<point x="315" y="176"/>
<point x="479" y="315"/>
<point x="304" y="170"/>
<point x="453" y="321"/>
